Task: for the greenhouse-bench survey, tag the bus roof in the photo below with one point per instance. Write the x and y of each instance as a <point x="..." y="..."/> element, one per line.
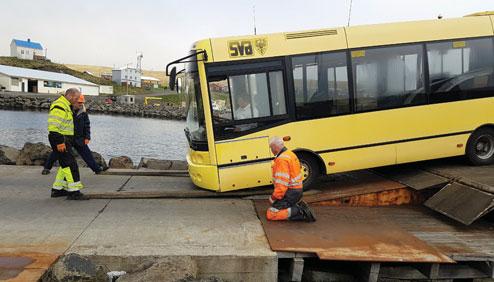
<point x="312" y="41"/>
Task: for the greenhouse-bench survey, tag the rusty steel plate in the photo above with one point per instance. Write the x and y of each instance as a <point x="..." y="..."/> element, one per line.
<point x="348" y="234"/>
<point x="351" y="184"/>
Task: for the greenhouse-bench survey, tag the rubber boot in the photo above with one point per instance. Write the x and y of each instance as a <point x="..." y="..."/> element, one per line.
<point x="77" y="196"/>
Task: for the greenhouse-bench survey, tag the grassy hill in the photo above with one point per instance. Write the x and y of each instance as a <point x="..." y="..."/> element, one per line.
<point x="53" y="67"/>
<point x="98" y="70"/>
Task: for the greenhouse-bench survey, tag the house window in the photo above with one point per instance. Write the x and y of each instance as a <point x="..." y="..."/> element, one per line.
<point x="52" y="84"/>
<point x="22" y="52"/>
<point x="15" y="81"/>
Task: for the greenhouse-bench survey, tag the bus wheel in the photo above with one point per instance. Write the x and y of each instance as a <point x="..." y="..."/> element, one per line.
<point x="310" y="170"/>
<point x="480" y="147"/>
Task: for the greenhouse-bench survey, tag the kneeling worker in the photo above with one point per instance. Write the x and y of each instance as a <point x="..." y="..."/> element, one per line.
<point x="286" y="200"/>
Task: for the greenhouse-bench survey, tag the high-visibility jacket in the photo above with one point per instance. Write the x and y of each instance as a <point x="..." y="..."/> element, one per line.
<point x="286" y="174"/>
<point x="60" y="117"/>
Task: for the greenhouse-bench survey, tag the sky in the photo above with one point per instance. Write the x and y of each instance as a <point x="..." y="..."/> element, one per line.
<point x="110" y="33"/>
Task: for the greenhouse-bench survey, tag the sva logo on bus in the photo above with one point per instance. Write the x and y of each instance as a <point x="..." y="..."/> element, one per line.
<point x="240" y="48"/>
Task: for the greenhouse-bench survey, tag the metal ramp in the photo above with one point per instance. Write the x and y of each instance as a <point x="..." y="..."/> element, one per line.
<point x="462" y="203"/>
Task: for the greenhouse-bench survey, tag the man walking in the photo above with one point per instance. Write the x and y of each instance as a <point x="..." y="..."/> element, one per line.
<point x="286" y="200"/>
<point x="61" y="135"/>
<point x="82" y="137"/>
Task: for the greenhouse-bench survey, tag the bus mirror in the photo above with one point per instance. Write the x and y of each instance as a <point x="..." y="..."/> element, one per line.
<point x="287" y="138"/>
<point x="171" y="79"/>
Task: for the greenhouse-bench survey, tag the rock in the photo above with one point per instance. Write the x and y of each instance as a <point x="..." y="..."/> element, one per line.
<point x="121" y="162"/>
<point x="71" y="267"/>
<point x="169" y="269"/>
<point x="155" y="164"/>
<point x="8" y="155"/>
<point x="162" y="164"/>
<point x="100" y="161"/>
<point x="179" y="165"/>
<point x="33" y="154"/>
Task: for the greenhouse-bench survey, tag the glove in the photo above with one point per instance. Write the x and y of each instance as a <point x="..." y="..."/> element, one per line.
<point x="86" y="141"/>
<point x="271" y="199"/>
<point x="61" y="148"/>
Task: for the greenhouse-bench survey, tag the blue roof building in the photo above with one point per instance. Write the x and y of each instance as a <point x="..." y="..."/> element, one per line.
<point x="27" y="50"/>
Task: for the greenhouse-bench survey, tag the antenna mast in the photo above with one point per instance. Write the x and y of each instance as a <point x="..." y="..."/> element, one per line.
<point x="254" y="15"/>
<point x="139" y="62"/>
<point x="349" y="12"/>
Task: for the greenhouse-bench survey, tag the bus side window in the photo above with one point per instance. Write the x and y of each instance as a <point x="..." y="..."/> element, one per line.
<point x="321" y="85"/>
<point x="220" y="99"/>
<point x="388" y="77"/>
<point x="461" y="69"/>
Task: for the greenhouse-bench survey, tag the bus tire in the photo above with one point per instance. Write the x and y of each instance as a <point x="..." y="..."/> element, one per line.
<point x="310" y="170"/>
<point x="480" y="147"/>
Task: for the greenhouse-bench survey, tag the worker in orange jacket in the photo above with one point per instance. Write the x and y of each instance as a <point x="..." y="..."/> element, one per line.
<point x="286" y="200"/>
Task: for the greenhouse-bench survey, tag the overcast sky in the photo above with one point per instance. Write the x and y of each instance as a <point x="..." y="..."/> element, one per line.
<point x="109" y="33"/>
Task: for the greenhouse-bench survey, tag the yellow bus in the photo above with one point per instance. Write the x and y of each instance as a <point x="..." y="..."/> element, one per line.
<point x="349" y="98"/>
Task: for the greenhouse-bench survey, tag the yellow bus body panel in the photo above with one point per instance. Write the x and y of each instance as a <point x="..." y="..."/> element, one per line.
<point x="242" y="150"/>
<point x="409" y="32"/>
<point x="245" y="176"/>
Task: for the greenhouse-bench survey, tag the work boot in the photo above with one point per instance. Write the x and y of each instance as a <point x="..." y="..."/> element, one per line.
<point x="45" y="171"/>
<point x="306" y="211"/>
<point x="58" y="193"/>
<point x="77" y="196"/>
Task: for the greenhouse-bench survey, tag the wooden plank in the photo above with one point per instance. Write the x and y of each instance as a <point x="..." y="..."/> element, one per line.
<point x="369" y="272"/>
<point x="296" y="269"/>
<point x="462" y="203"/>
<point x="146" y="172"/>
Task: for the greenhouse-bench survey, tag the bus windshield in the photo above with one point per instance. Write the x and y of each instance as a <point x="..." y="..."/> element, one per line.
<point x="195" y="129"/>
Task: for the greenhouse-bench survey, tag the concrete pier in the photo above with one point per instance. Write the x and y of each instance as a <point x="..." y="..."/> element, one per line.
<point x="220" y="238"/>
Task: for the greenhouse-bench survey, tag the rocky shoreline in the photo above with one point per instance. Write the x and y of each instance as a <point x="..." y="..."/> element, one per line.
<point x="96" y="105"/>
<point x="35" y="154"/>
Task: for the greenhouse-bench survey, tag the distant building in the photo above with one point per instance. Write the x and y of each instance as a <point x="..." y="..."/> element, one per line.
<point x="149" y="81"/>
<point x="126" y="99"/>
<point x="27" y="50"/>
<point x="127" y="75"/>
<point x="106" y="76"/>
<point x="36" y="81"/>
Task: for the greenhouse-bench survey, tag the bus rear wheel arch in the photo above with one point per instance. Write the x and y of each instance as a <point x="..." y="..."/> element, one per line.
<point x="311" y="168"/>
<point x="480" y="146"/>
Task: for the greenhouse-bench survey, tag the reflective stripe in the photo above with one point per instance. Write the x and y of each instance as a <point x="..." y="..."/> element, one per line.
<point x="75" y="186"/>
<point x="283" y="174"/>
<point x="289" y="212"/>
<point x="295" y="184"/>
<point x="50" y="116"/>
<point x="284" y="156"/>
<point x="279" y="181"/>
<point x="297" y="177"/>
<point x="57" y="187"/>
<point x="274" y="209"/>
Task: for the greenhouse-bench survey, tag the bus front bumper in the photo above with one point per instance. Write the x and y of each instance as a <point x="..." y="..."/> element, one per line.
<point x="204" y="176"/>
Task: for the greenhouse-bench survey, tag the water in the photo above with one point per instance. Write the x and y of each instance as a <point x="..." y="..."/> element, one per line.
<point x="110" y="135"/>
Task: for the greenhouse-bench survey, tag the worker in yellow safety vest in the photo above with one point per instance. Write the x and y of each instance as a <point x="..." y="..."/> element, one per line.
<point x="61" y="137"/>
<point x="286" y="200"/>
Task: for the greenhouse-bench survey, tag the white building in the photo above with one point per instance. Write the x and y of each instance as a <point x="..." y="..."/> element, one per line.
<point x="36" y="81"/>
<point x="127" y="75"/>
<point x="150" y="81"/>
<point x="27" y="50"/>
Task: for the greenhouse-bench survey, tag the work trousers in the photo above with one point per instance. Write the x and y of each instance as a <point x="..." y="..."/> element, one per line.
<point x="68" y="177"/>
<point x="286" y="208"/>
<point x="83" y="151"/>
